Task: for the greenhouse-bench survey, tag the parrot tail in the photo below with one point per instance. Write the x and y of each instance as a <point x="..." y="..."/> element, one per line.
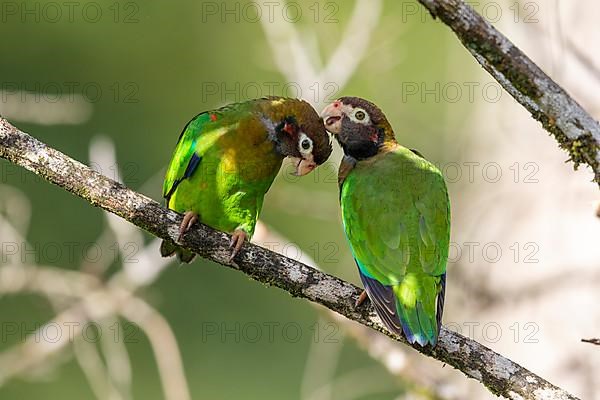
<point x="417" y="325"/>
<point x="418" y="305"/>
<point x="168" y="248"/>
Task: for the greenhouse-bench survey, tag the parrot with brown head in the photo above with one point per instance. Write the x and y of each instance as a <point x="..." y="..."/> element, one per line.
<point x="226" y="160"/>
<point x="396" y="216"/>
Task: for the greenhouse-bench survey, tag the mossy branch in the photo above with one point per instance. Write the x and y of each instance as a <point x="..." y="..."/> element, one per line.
<point x="574" y="129"/>
<point x="499" y="374"/>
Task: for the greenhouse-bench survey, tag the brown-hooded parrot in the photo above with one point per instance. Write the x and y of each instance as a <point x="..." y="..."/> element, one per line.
<point x="226" y="159"/>
<point x="396" y="216"/>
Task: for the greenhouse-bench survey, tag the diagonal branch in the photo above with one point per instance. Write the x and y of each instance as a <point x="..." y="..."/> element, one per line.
<point x="592" y="341"/>
<point x="501" y="375"/>
<point x="574" y="129"/>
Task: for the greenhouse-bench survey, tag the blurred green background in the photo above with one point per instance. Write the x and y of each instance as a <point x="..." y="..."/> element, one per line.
<point x="157" y="65"/>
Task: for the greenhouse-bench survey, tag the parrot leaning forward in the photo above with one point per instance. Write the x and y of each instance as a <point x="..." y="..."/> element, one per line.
<point x="225" y="161"/>
<point x="396" y="215"/>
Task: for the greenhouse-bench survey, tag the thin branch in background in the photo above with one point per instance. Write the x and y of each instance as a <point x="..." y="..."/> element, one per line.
<point x="70" y="289"/>
<point x="321" y="364"/>
<point x="118" y="364"/>
<point x="293" y="58"/>
<point x="96" y="304"/>
<point x="163" y="342"/>
<point x="93" y="368"/>
<point x="354" y="44"/>
<point x="104" y="381"/>
<point x="499" y="374"/>
<point x="592" y="341"/>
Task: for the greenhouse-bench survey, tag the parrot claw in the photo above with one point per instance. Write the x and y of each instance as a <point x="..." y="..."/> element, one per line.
<point x="237" y="240"/>
<point x="189" y="219"/>
<point x="361" y="299"/>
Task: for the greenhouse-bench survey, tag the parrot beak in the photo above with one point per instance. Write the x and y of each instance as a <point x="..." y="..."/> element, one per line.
<point x="332" y="116"/>
<point x="304" y="165"/>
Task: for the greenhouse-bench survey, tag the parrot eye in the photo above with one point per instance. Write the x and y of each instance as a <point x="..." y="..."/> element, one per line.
<point x="305" y="145"/>
<point x="359" y="115"/>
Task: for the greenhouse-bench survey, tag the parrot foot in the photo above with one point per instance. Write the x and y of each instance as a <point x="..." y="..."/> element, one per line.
<point x="237" y="240"/>
<point x="361" y="299"/>
<point x="189" y="219"/>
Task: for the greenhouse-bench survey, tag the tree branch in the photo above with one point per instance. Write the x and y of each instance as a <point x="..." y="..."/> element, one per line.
<point x="574" y="129"/>
<point x="592" y="341"/>
<point x="499" y="374"/>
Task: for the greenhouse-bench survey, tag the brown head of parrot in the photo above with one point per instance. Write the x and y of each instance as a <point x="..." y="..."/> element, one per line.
<point x="302" y="137"/>
<point x="358" y="125"/>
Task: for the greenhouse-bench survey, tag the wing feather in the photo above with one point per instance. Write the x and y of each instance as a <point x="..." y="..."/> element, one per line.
<point x="384" y="301"/>
<point x="184" y="160"/>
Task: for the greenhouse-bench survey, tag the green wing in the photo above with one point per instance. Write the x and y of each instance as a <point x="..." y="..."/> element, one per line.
<point x="185" y="159"/>
<point x="396" y="215"/>
<point x="198" y="136"/>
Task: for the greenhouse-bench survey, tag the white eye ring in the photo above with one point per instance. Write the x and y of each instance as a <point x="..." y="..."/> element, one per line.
<point x="305" y="144"/>
<point x="360" y="116"/>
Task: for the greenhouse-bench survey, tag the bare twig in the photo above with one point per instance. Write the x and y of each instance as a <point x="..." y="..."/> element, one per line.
<point x="574" y="129"/>
<point x="294" y="61"/>
<point x="163" y="342"/>
<point x="592" y="341"/>
<point x="93" y="368"/>
<point x="84" y="298"/>
<point x="501" y="375"/>
<point x="98" y="302"/>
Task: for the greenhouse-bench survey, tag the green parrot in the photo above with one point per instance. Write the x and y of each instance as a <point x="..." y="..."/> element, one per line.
<point x="226" y="159"/>
<point x="396" y="216"/>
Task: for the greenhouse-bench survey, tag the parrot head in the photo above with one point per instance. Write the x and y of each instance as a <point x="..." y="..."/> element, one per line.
<point x="299" y="133"/>
<point x="358" y="125"/>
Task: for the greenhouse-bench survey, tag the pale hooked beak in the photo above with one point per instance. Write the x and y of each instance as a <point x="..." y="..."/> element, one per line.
<point x="303" y="165"/>
<point x="332" y="116"/>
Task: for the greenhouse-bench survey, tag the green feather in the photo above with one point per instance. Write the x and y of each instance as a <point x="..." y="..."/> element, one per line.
<point x="396" y="214"/>
<point x="226" y="160"/>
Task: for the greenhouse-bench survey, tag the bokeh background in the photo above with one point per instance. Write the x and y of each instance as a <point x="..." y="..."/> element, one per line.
<point x="88" y="309"/>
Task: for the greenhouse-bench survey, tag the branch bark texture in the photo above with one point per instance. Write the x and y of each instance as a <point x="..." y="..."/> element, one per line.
<point x="574" y="129"/>
<point x="499" y="374"/>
